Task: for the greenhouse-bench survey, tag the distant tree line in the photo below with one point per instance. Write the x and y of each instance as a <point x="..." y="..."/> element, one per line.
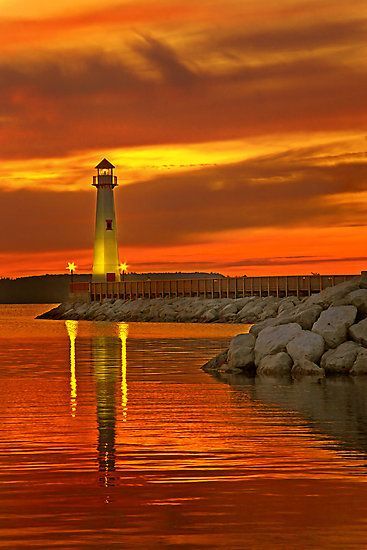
<point x="48" y="289"/>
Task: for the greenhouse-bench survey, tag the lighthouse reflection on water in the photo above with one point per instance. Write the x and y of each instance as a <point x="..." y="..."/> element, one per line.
<point x="109" y="362"/>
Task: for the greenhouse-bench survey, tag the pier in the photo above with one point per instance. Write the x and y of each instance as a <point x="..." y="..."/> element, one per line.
<point x="226" y="287"/>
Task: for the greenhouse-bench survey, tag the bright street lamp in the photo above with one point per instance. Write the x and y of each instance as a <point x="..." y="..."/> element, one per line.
<point x="123" y="269"/>
<point x="71" y="267"/>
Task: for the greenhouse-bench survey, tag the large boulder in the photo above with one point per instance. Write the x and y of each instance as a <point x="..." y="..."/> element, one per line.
<point x="271" y="322"/>
<point x="287" y="305"/>
<point x="358" y="332"/>
<point x="360" y="364"/>
<point x="333" y="324"/>
<point x="334" y="293"/>
<point x="358" y="298"/>
<point x="305" y="367"/>
<point x="210" y="315"/>
<point x="272" y="340"/>
<point x="228" y="312"/>
<point x="275" y="365"/>
<point x="270" y="310"/>
<point x="241" y="352"/>
<point x="252" y="312"/>
<point x="341" y="359"/>
<point x="306" y="317"/>
<point x="306" y="345"/>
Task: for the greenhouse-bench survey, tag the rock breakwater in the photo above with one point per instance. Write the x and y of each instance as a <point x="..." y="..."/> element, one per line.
<point x="324" y="334"/>
<point x="249" y="310"/>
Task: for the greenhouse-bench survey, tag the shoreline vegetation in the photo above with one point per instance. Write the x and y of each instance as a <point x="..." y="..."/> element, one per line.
<point x="323" y="334"/>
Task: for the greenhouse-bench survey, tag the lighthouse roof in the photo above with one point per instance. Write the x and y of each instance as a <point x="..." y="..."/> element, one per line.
<point x="105" y="164"/>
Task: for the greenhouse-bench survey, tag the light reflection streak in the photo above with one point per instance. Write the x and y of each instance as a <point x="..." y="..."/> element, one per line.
<point x="72" y="328"/>
<point x="123" y="331"/>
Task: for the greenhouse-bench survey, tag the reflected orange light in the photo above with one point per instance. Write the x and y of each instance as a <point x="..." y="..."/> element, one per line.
<point x="123" y="331"/>
<point x="72" y="328"/>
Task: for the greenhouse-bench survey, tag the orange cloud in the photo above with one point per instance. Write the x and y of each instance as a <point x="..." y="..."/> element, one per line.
<point x="147" y="80"/>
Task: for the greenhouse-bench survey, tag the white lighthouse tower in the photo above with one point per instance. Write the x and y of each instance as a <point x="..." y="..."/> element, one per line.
<point x="106" y="257"/>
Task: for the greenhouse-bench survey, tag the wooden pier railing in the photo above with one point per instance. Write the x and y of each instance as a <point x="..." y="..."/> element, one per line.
<point x="227" y="287"/>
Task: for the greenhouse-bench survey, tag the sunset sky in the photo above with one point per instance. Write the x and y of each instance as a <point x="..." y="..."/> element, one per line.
<point x="238" y="128"/>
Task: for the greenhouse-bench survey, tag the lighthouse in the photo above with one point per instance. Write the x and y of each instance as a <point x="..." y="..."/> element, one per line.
<point x="106" y="257"/>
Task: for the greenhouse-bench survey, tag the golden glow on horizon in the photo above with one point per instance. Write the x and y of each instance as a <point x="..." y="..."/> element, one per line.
<point x="123" y="331"/>
<point x="72" y="329"/>
<point x="71" y="267"/>
<point x="135" y="164"/>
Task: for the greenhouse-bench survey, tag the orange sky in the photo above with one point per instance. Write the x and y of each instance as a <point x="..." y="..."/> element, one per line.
<point x="237" y="126"/>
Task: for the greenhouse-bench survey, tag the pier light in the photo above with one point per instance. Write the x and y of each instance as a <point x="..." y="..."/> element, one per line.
<point x="71" y="267"/>
<point x="123" y="269"/>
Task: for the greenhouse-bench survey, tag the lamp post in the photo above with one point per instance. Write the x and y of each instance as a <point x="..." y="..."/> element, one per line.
<point x="71" y="267"/>
<point x="123" y="269"/>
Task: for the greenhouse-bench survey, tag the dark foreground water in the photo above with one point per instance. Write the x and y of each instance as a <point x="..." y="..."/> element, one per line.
<point x="112" y="437"/>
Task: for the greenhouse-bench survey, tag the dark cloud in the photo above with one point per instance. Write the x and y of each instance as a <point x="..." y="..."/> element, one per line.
<point x="310" y="37"/>
<point x="290" y="260"/>
<point x="285" y="190"/>
<point x="52" y="106"/>
<point x="166" y="61"/>
<point x="289" y="190"/>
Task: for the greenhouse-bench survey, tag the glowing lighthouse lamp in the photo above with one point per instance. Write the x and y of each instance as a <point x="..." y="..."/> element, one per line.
<point x="106" y="265"/>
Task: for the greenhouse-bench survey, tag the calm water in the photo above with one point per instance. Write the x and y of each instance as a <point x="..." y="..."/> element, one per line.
<point x="112" y="437"/>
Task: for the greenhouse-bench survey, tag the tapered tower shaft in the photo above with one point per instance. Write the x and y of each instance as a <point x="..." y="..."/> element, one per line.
<point x="105" y="259"/>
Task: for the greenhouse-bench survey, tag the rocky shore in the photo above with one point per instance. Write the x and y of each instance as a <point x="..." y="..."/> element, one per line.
<point x="325" y="334"/>
<point x="177" y="310"/>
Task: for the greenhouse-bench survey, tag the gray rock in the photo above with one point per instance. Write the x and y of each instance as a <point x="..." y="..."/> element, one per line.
<point x="333" y="324"/>
<point x="305" y="367"/>
<point x="275" y="365"/>
<point x="360" y="364"/>
<point x="341" y="359"/>
<point x="228" y="311"/>
<point x="226" y="369"/>
<point x="210" y="315"/>
<point x="271" y="322"/>
<point x="241" y="352"/>
<point x="358" y="332"/>
<point x="81" y="309"/>
<point x="306" y="345"/>
<point x="248" y="308"/>
<point x="217" y="362"/>
<point x="358" y="298"/>
<point x="272" y="340"/>
<point x="69" y="314"/>
<point x="270" y="310"/>
<point x="333" y="293"/>
<point x="307" y="317"/>
<point x="286" y="306"/>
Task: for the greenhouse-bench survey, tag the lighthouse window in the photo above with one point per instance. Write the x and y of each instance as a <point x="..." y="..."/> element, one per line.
<point x="108" y="225"/>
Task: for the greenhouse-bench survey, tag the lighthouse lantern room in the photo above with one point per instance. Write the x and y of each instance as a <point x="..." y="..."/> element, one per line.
<point x="105" y="259"/>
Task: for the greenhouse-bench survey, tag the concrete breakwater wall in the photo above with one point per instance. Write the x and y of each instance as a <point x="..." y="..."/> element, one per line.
<point x="325" y="334"/>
